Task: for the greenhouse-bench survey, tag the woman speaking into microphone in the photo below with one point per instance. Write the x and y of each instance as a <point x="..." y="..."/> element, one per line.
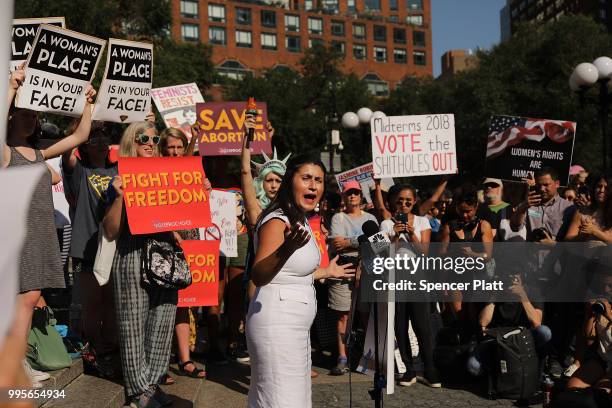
<point x="281" y="312"/>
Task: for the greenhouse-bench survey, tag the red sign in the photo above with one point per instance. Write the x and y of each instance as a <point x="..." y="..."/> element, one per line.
<point x="164" y="193"/>
<point x="315" y="224"/>
<point x="222" y="129"/>
<point x="203" y="259"/>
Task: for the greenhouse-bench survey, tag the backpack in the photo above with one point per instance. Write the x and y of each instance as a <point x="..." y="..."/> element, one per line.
<point x="451" y="352"/>
<point x="514" y="373"/>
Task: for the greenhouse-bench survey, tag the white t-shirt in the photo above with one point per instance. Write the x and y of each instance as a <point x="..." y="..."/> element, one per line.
<point x="420" y="224"/>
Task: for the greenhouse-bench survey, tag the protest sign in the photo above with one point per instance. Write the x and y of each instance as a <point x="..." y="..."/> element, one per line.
<point x="124" y="95"/>
<point x="24" y="32"/>
<point x="364" y="175"/>
<point x="222" y="129"/>
<point x="315" y="225"/>
<point x="203" y="260"/>
<point x="164" y="193"/>
<point x="177" y="105"/>
<point x="409" y="146"/>
<point x="60" y="205"/>
<point x="518" y="147"/>
<point x="224" y="228"/>
<point x="58" y="69"/>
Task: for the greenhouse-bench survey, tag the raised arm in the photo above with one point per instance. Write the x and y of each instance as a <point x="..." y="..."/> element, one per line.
<point x="429" y="203"/>
<point x="379" y="203"/>
<point x="251" y="204"/>
<point x="194" y="138"/>
<point x="113" y="220"/>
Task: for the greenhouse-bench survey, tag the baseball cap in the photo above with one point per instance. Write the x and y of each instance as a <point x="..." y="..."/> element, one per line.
<point x="493" y="181"/>
<point x="351" y="185"/>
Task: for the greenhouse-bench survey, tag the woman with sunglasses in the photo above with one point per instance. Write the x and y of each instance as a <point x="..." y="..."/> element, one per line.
<point x="145" y="313"/>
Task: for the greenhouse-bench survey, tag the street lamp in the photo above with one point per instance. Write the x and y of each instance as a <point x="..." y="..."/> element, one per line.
<point x="352" y="120"/>
<point x="335" y="144"/>
<point x="587" y="75"/>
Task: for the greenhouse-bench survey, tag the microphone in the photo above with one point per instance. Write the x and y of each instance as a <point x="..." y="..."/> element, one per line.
<point x="369" y="229"/>
<point x="251" y="109"/>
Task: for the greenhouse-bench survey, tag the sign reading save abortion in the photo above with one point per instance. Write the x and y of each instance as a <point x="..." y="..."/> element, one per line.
<point x="59" y="67"/>
<point x="409" y="146"/>
<point x="164" y="193"/>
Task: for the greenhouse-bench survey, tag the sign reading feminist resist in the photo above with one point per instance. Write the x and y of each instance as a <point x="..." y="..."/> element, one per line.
<point x="164" y="193"/>
<point x="409" y="146"/>
<point x="222" y="129"/>
<point x="124" y="95"/>
<point x="24" y="32"/>
<point x="203" y="260"/>
<point x="177" y="105"/>
<point x="58" y="69"/>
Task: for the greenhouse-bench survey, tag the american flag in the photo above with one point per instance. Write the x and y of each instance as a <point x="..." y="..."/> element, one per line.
<point x="506" y="131"/>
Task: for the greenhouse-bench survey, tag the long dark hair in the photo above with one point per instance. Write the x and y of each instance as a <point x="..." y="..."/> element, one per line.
<point x="607" y="204"/>
<point x="395" y="191"/>
<point x="284" y="199"/>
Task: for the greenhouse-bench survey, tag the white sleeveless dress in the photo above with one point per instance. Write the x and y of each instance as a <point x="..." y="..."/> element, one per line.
<point x="278" y="330"/>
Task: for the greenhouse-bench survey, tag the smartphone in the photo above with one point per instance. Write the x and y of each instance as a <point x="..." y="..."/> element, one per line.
<point x="403" y="218"/>
<point x="533" y="189"/>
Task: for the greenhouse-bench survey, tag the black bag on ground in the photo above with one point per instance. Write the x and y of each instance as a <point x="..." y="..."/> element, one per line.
<point x="451" y="353"/>
<point x="514" y="370"/>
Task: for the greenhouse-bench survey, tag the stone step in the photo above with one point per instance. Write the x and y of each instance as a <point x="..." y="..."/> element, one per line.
<point x="61" y="378"/>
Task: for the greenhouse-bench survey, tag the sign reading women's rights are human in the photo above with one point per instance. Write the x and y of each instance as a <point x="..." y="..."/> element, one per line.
<point x="518" y="147"/>
<point x="203" y="260"/>
<point x="164" y="193"/>
<point x="125" y="93"/>
<point x="58" y="69"/>
<point x="410" y="146"/>
<point x="24" y="32"/>
<point x="222" y="128"/>
<point x="177" y="105"/>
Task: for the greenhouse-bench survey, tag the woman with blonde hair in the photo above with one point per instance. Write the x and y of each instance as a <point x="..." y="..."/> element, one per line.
<point x="145" y="312"/>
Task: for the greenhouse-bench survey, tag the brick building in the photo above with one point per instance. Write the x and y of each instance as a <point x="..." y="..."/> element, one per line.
<point x="382" y="40"/>
<point x="455" y="61"/>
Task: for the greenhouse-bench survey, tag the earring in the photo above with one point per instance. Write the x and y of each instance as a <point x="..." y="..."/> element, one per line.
<point x="317" y="207"/>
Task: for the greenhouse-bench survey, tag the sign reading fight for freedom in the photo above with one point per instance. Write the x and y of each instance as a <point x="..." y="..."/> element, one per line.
<point x="203" y="260"/>
<point x="24" y="32"/>
<point x="409" y="146"/>
<point x="364" y="175"/>
<point x="124" y="95"/>
<point x="177" y="105"/>
<point x="59" y="67"/>
<point x="164" y="193"/>
<point x="222" y="129"/>
<point x="518" y="147"/>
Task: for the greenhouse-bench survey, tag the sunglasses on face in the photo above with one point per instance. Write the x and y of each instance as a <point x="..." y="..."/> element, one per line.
<point x="488" y="186"/>
<point x="144" y="139"/>
<point x="352" y="192"/>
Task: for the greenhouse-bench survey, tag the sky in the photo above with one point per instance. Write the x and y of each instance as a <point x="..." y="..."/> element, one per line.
<point x="463" y="24"/>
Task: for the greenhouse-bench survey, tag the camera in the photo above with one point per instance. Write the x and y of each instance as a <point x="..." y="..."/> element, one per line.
<point x="598" y="308"/>
<point x="539" y="234"/>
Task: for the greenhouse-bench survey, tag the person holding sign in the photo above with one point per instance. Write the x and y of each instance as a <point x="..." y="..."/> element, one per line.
<point x="283" y="308"/>
<point x="40" y="265"/>
<point x="145" y="313"/>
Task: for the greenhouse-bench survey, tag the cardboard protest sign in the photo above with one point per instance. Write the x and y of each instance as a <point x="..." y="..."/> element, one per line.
<point x="224" y="228"/>
<point x="203" y="260"/>
<point x="518" y="147"/>
<point x="124" y="95"/>
<point x="409" y="146"/>
<point x="364" y="175"/>
<point x="177" y="105"/>
<point x="222" y="129"/>
<point x="24" y="32"/>
<point x="164" y="193"/>
<point x="58" y="69"/>
<point x="60" y="205"/>
<point x="315" y="225"/>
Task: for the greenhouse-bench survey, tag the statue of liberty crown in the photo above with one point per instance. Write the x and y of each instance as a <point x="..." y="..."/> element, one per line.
<point x="271" y="162"/>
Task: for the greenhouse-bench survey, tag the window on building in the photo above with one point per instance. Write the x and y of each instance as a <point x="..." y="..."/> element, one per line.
<point x="244" y="39"/>
<point x="243" y="16"/>
<point x="373" y="5"/>
<point x="602" y="14"/>
<point x="339" y="47"/>
<point x="216" y="13"/>
<point x="380" y="33"/>
<point x="315" y="25"/>
<point x="315" y="42"/>
<point x="268" y="41"/>
<point x="330" y="6"/>
<point x="414" y="4"/>
<point x="337" y="28"/>
<point x="189" y="8"/>
<point x="399" y="36"/>
<point x="308" y="4"/>
<point x="418" y="38"/>
<point x="415" y="20"/>
<point x="190" y="32"/>
<point x="232" y="70"/>
<point x="418" y="57"/>
<point x="351" y="6"/>
<point x="359" y="52"/>
<point x="376" y="86"/>
<point x="393" y="19"/>
<point x="359" y="31"/>
<point x="216" y="35"/>
<point x="293" y="44"/>
<point x="400" y="56"/>
<point x="393" y="5"/>
<point x="292" y="23"/>
<point x="268" y="18"/>
<point x="380" y="54"/>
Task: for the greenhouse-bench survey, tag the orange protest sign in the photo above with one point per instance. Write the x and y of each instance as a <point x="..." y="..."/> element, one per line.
<point x="315" y="225"/>
<point x="203" y="260"/>
<point x="164" y="193"/>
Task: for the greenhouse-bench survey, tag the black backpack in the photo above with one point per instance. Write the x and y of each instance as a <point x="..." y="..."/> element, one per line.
<point x="514" y="373"/>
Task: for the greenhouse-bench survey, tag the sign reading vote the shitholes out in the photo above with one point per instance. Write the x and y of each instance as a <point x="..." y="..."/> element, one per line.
<point x="177" y="105"/>
<point x="24" y="32"/>
<point x="125" y="91"/>
<point x="222" y="129"/>
<point x="410" y="146"/>
<point x="518" y="147"/>
<point x="58" y="69"/>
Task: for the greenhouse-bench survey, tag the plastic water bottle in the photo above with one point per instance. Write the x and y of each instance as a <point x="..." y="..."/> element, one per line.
<point x="547" y="388"/>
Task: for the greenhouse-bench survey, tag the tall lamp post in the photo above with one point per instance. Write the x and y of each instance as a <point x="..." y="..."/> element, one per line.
<point x="597" y="74"/>
<point x="334" y="140"/>
<point x="351" y="120"/>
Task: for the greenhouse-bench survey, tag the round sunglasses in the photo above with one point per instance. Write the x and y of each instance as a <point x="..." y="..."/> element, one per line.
<point x="144" y="139"/>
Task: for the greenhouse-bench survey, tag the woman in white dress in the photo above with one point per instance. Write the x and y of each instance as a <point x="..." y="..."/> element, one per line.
<point x="281" y="312"/>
